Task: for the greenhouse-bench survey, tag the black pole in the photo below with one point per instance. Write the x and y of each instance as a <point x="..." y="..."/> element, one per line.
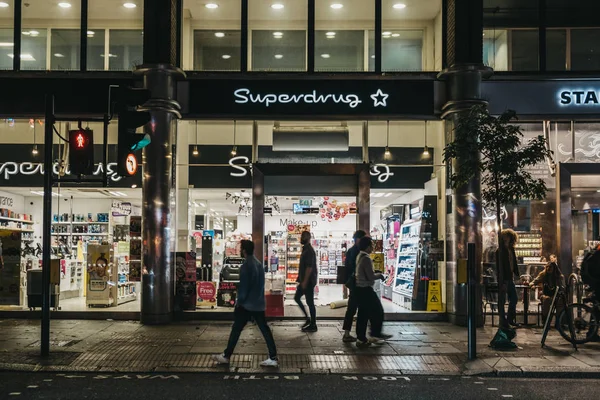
<point x="48" y="124"/>
<point x="17" y="35"/>
<point x="244" y="37"/>
<point x="471" y="300"/>
<point x="378" y="32"/>
<point x="83" y="45"/>
<point x="310" y="47"/>
<point x="105" y="150"/>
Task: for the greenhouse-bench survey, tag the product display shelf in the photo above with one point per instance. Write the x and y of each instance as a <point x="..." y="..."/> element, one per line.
<point x="408" y="253"/>
<point x="22" y="221"/>
<point x="277" y="252"/>
<point x="529" y="246"/>
<point x="294" y="250"/>
<point x="330" y="254"/>
<point x="3" y="228"/>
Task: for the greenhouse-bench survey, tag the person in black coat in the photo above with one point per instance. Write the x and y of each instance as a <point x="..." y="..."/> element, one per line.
<point x="350" y="268"/>
<point x="508" y="270"/>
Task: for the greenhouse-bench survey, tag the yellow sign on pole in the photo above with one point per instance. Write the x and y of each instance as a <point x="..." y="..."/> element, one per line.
<point x="434" y="296"/>
<point x="378" y="262"/>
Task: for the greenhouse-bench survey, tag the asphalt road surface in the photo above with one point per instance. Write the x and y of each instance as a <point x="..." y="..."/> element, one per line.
<point x="128" y="386"/>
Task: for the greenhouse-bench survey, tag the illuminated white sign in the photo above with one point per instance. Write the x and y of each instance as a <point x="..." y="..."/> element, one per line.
<point x="579" y="97"/>
<point x="9" y="169"/>
<point x="242" y="171"/>
<point x="382" y="176"/>
<point x="243" y="96"/>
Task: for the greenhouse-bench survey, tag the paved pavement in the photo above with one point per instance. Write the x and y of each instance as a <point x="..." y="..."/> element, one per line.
<point x="415" y="349"/>
<point x="152" y="386"/>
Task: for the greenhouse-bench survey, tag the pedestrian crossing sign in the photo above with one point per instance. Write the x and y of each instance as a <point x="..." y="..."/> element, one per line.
<point x="434" y="296"/>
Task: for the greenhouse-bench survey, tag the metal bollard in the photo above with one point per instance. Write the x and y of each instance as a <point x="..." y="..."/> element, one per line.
<point x="471" y="302"/>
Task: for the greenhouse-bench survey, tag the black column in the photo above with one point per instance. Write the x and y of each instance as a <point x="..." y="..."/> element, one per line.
<point x="464" y="37"/>
<point x="160" y="32"/>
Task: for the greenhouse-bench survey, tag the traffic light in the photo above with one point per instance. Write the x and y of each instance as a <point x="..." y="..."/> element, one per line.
<point x="81" y="152"/>
<point x="127" y="103"/>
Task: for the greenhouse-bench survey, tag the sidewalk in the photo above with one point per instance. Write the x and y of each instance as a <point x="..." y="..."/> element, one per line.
<point x="416" y="348"/>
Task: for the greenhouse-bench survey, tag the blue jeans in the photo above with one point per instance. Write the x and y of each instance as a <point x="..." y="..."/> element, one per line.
<point x="511" y="293"/>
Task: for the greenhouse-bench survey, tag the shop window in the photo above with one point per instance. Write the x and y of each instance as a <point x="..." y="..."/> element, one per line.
<point x="585" y="49"/>
<point x="95" y="49"/>
<point x="33" y="49"/>
<point x="524" y="50"/>
<point x="64" y="49"/>
<point x="125" y="49"/>
<point x="274" y="52"/>
<point x="278" y="35"/>
<point x="495" y="49"/>
<point x="6" y="49"/>
<point x="336" y="47"/>
<point x="343" y="51"/>
<point x="556" y="49"/>
<point x="217" y="50"/>
<point x="402" y="50"/>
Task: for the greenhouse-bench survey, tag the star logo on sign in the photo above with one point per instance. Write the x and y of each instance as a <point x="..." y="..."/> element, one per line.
<point x="379" y="98"/>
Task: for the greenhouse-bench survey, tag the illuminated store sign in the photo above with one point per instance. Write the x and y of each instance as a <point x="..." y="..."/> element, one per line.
<point x="243" y="96"/>
<point x="579" y="97"/>
<point x="9" y="169"/>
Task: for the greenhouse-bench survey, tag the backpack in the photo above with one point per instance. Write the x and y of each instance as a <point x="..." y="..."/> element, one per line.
<point x="590" y="268"/>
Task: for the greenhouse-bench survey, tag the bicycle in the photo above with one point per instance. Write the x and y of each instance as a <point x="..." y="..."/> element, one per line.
<point x="586" y="320"/>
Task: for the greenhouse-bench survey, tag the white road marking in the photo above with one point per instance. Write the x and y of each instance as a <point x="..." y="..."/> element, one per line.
<point x="439" y="379"/>
<point x="15" y="394"/>
<point x="507" y="395"/>
<point x="47" y="380"/>
<point x="32" y="387"/>
<point x="479" y="383"/>
<point x="492" y="388"/>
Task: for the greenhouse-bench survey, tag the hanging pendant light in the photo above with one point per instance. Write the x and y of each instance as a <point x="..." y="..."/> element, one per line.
<point x="234" y="148"/>
<point x="195" y="151"/>
<point x="34" y="151"/>
<point x="425" y="149"/>
<point x="387" y="153"/>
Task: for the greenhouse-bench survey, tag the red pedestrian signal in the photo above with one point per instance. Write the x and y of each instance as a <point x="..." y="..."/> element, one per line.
<point x="81" y="152"/>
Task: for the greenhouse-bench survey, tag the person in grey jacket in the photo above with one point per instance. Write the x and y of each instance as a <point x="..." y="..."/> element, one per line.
<point x="250" y="304"/>
<point x="369" y="304"/>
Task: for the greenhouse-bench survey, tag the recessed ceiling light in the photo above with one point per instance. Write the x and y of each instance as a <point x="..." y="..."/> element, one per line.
<point x="64" y="5"/>
<point x="277" y="33"/>
<point x="212" y="6"/>
<point x="58" y="55"/>
<point x="6" y="44"/>
<point x="34" y="33"/>
<point x="325" y="56"/>
<point x="386" y="33"/>
<point x="91" y="33"/>
<point x="226" y="56"/>
<point x="373" y="56"/>
<point x="129" y="5"/>
<point x="395" y="34"/>
<point x="279" y="56"/>
<point x="330" y="33"/>
<point x="337" y="6"/>
<point x="24" y="57"/>
<point x="578" y="195"/>
<point x="219" y="34"/>
<point x="277" y="6"/>
<point x="3" y="4"/>
<point x="399" y="6"/>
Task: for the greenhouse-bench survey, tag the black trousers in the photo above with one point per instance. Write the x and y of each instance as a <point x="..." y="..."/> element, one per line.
<point x="369" y="310"/>
<point x="350" y="310"/>
<point x="241" y="317"/>
<point x="511" y="294"/>
<point x="309" y="294"/>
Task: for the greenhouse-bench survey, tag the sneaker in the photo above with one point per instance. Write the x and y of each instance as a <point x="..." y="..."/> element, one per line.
<point x="383" y="336"/>
<point x="310" y="328"/>
<point x="270" y="362"/>
<point x="362" y="344"/>
<point x="220" y="359"/>
<point x="374" y="340"/>
<point x="348" y="339"/>
<point x="306" y="324"/>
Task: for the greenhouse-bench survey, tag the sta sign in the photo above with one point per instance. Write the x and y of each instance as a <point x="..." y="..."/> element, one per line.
<point x="579" y="97"/>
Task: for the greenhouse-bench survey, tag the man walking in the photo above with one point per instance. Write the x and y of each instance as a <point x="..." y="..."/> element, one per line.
<point x="250" y="304"/>
<point x="307" y="280"/>
<point x="350" y="268"/>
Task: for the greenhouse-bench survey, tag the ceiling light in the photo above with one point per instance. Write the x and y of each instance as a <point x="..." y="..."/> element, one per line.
<point x="58" y="55"/>
<point x="277" y="6"/>
<point x="373" y="56"/>
<point x="426" y="151"/>
<point x="6" y="44"/>
<point x="325" y="55"/>
<point x="211" y="6"/>
<point x="399" y="6"/>
<point x="91" y="33"/>
<point x="226" y="56"/>
<point x="395" y="34"/>
<point x="195" y="152"/>
<point x="219" y="34"/>
<point x="133" y="186"/>
<point x="3" y="4"/>
<point x="386" y="33"/>
<point x="578" y="195"/>
<point x="330" y="34"/>
<point x="337" y="6"/>
<point x="279" y="56"/>
<point x="234" y="151"/>
<point x="64" y="5"/>
<point x="24" y="57"/>
<point x="26" y="33"/>
<point x="129" y="5"/>
<point x="543" y="202"/>
<point x="387" y="151"/>
<point x="34" y="151"/>
<point x="34" y="33"/>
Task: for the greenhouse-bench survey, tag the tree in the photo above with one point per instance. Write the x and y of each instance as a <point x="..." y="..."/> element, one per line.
<point x="493" y="148"/>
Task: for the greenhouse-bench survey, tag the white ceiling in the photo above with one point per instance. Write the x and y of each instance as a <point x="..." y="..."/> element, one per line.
<point x="297" y="10"/>
<point x="87" y="193"/>
<point x="585" y="182"/>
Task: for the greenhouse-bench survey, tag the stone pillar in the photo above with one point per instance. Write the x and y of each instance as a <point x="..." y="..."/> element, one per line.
<point x="463" y="80"/>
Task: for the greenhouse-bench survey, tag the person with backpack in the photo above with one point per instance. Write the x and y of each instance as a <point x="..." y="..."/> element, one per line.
<point x="250" y="305"/>
<point x="369" y="304"/>
<point x="550" y="278"/>
<point x="350" y="268"/>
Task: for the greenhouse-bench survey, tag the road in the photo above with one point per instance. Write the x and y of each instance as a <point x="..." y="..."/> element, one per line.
<point x="164" y="386"/>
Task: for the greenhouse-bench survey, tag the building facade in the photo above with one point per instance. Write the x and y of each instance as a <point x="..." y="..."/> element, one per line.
<point x="272" y="117"/>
